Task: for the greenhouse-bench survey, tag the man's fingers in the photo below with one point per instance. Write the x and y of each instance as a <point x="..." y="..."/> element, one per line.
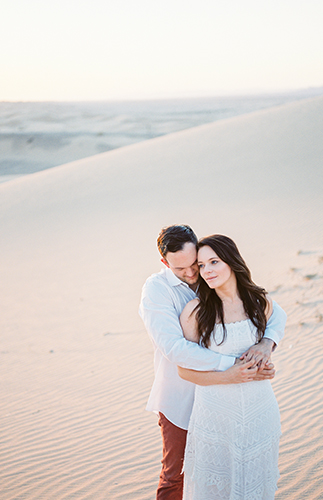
<point x="249" y="357"/>
<point x="264" y="362"/>
<point x="256" y="367"/>
<point x="248" y="364"/>
<point x="255" y="356"/>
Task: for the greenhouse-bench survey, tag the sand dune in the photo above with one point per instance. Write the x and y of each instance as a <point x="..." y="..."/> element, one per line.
<point x="39" y="135"/>
<point x="78" y="241"/>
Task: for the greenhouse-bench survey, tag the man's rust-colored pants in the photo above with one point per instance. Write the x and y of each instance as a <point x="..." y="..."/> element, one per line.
<point x="170" y="485"/>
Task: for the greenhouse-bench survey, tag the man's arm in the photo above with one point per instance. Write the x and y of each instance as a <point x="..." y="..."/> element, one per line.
<point x="239" y="373"/>
<point x="161" y="320"/>
<point x="274" y="332"/>
<point x="275" y="328"/>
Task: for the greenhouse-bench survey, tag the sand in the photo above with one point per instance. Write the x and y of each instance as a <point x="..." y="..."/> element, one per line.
<point x="77" y="243"/>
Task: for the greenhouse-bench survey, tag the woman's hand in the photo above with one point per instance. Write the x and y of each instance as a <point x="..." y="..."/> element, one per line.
<point x="240" y="372"/>
<point x="268" y="372"/>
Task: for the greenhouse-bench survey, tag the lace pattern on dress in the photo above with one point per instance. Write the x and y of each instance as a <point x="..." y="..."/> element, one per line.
<point x="233" y="436"/>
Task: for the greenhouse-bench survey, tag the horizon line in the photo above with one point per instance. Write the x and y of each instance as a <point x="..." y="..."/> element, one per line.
<point x="176" y="96"/>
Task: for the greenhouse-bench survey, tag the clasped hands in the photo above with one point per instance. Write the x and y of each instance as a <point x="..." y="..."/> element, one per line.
<point x="255" y="363"/>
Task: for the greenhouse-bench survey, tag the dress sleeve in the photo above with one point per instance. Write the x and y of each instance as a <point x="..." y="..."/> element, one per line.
<point x="276" y="324"/>
<point x="161" y="320"/>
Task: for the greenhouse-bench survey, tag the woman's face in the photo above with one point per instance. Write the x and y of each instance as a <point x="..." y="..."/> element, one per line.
<point x="213" y="270"/>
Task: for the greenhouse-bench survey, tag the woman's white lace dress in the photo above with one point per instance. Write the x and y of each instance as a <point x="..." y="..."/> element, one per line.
<point x="233" y="436"/>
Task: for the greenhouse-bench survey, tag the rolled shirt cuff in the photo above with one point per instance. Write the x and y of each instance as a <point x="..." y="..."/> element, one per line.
<point x="272" y="335"/>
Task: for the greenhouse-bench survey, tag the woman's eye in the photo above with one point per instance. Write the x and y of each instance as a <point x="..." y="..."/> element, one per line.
<point x="214" y="262"/>
<point x="200" y="266"/>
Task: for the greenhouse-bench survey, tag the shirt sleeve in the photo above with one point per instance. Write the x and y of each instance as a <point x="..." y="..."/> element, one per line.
<point x="276" y="324"/>
<point x="161" y="320"/>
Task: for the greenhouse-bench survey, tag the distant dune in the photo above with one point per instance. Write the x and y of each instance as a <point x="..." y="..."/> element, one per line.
<point x="77" y="243"/>
<point x="35" y="136"/>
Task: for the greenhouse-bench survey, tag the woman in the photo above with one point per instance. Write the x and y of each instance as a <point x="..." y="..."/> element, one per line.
<point x="233" y="436"/>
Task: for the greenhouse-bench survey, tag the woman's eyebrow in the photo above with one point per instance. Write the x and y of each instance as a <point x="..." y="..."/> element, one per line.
<point x="211" y="258"/>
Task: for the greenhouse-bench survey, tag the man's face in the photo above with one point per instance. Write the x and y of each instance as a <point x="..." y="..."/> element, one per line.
<point x="184" y="263"/>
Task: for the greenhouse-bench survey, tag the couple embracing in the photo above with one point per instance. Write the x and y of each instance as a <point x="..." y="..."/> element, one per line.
<point x="213" y="331"/>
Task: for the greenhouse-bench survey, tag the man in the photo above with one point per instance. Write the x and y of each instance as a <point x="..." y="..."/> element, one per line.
<point x="164" y="296"/>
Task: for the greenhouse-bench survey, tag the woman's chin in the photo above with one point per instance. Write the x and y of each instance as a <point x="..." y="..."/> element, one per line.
<point x="211" y="284"/>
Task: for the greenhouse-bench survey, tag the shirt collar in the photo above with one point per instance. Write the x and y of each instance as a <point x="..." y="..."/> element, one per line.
<point x="172" y="279"/>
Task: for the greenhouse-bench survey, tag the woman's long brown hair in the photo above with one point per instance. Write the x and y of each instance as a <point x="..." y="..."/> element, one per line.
<point x="210" y="308"/>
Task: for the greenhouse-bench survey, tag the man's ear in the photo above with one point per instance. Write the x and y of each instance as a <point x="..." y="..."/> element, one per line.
<point x="164" y="261"/>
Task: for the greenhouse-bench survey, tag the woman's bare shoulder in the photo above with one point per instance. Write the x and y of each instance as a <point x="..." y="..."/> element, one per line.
<point x="188" y="321"/>
<point x="189" y="308"/>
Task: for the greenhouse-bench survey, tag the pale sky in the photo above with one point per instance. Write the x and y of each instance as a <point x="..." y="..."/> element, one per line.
<point x="125" y="49"/>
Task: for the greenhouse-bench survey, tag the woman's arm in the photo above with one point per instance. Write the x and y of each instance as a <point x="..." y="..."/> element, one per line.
<point x="237" y="374"/>
<point x="188" y="321"/>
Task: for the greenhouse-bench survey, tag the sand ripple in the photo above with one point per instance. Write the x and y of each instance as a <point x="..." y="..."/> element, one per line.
<point x="298" y="383"/>
<point x="76" y="431"/>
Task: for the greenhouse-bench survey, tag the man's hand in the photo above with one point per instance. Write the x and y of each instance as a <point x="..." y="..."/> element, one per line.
<point x="259" y="353"/>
